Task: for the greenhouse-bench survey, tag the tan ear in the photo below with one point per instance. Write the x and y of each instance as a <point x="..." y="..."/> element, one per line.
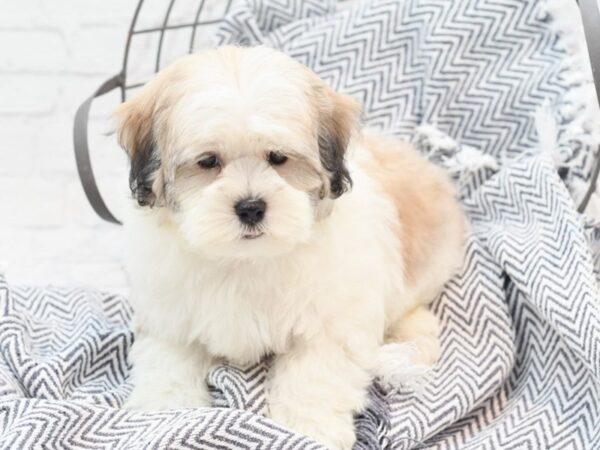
<point x="339" y="120"/>
<point x="135" y="130"/>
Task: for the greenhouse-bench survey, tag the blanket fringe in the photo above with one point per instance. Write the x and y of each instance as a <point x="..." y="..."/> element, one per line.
<point x="460" y="160"/>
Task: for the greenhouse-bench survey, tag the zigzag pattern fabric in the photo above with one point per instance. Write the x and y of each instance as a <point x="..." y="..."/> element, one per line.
<point x="520" y="365"/>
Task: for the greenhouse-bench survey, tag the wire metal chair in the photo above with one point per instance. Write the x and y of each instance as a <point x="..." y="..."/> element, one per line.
<point x="126" y="85"/>
<point x="123" y="81"/>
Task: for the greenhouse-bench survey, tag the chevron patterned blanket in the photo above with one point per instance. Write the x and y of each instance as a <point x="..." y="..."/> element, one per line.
<point x="520" y="364"/>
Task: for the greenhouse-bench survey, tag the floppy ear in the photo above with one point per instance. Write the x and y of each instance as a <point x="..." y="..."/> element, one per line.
<point x="135" y="129"/>
<point x="339" y="119"/>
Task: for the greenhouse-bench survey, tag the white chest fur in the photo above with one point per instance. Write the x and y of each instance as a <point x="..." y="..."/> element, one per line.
<point x="245" y="309"/>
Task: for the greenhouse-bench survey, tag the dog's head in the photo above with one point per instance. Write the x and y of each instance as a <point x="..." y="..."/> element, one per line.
<point x="243" y="147"/>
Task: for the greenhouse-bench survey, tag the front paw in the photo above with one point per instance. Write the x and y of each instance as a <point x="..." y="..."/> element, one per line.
<point x="335" y="431"/>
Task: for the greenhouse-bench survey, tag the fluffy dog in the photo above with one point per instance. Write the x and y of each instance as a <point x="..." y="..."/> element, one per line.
<point x="268" y="223"/>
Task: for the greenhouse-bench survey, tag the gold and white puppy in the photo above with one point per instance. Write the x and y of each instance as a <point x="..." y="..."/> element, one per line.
<point x="267" y="223"/>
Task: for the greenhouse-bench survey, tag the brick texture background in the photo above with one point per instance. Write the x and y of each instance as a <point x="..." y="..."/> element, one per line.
<point x="54" y="54"/>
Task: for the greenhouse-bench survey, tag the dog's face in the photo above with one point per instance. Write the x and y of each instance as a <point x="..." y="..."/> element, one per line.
<point x="242" y="147"/>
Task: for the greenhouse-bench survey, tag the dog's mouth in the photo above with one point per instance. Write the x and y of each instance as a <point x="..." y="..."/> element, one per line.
<point x="253" y="235"/>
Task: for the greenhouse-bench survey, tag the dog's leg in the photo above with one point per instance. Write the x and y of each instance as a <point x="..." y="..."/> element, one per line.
<point x="167" y="375"/>
<point x="317" y="386"/>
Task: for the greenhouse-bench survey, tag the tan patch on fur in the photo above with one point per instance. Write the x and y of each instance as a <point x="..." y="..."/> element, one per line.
<point x="430" y="217"/>
<point x="301" y="174"/>
<point x="340" y="113"/>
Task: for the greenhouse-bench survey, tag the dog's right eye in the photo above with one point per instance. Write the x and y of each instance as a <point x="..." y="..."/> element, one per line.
<point x="209" y="161"/>
<point x="276" y="158"/>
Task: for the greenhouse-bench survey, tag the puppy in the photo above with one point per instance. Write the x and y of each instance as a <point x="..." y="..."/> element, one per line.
<point x="267" y="223"/>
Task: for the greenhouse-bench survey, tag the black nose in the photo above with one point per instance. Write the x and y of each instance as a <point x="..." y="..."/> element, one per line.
<point x="250" y="211"/>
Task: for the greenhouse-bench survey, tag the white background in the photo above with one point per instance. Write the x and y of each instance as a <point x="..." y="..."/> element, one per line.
<point x="54" y="54"/>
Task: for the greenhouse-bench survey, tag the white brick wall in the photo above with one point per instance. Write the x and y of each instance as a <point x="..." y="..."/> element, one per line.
<point x="53" y="54"/>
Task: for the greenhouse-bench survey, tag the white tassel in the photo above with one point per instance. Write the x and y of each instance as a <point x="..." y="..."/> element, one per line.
<point x="436" y="139"/>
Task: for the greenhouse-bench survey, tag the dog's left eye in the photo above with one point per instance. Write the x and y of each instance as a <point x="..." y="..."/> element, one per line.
<point x="276" y="158"/>
<point x="209" y="161"/>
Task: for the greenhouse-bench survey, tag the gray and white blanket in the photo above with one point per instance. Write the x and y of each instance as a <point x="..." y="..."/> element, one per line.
<point x="520" y="365"/>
